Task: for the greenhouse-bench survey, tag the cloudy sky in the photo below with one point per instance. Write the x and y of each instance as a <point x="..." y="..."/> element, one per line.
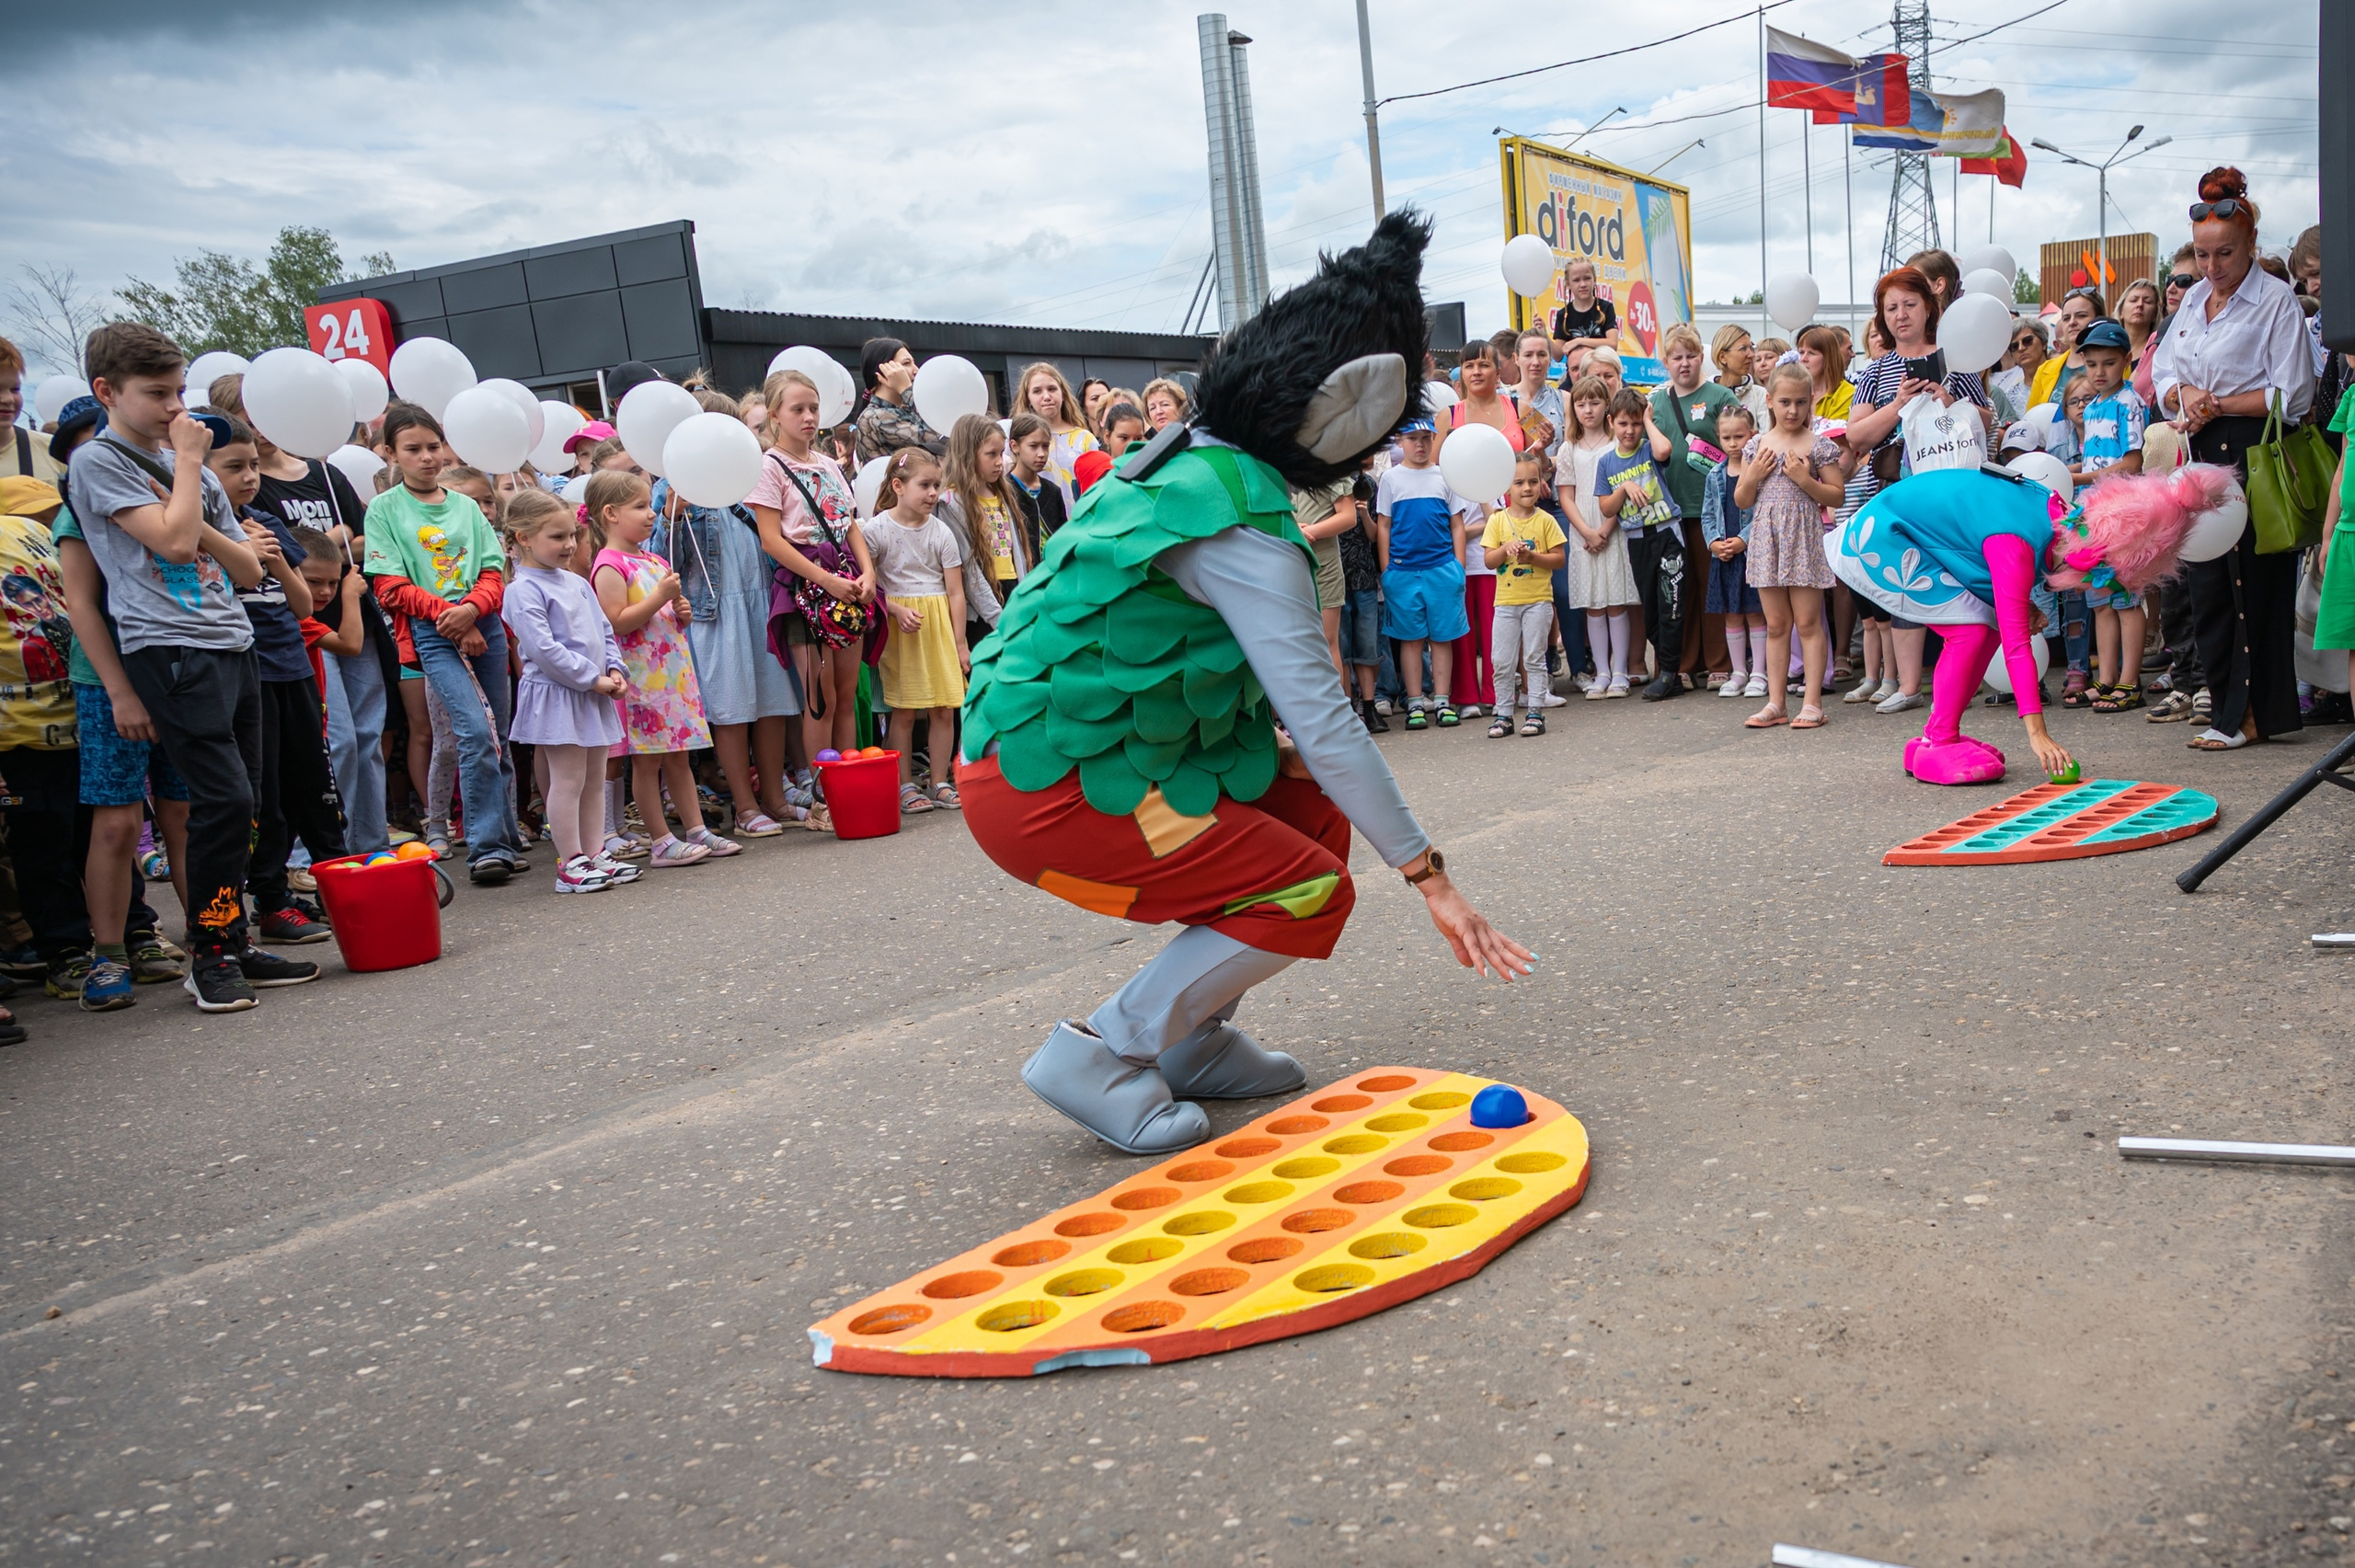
<point x="1043" y="160"/>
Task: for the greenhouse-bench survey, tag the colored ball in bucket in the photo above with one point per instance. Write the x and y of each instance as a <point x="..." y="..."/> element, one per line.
<point x="2069" y="774"/>
<point x="829" y="755"/>
<point x="415" y="849"/>
<point x="1499" y="1105"/>
<point x="870" y="751"/>
<point x="381" y="857"/>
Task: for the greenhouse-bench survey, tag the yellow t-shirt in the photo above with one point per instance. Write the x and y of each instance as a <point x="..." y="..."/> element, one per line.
<point x="1519" y="582"/>
<point x="997" y="526"/>
<point x="36" y="681"/>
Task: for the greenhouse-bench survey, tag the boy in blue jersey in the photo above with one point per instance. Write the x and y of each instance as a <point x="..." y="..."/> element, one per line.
<point x="1418" y="535"/>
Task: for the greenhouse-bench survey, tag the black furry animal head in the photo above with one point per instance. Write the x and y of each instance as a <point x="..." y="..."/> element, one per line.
<point x="1259" y="380"/>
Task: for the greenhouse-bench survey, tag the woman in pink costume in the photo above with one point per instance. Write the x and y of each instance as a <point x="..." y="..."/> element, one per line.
<point x="1963" y="549"/>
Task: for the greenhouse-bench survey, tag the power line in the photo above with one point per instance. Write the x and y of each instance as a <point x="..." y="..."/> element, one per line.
<point x="1999" y="27"/>
<point x="1607" y="55"/>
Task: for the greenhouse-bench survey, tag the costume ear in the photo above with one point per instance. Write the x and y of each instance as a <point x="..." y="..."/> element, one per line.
<point x="1355" y="408"/>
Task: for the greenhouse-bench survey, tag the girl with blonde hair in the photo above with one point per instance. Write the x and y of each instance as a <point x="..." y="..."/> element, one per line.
<point x="1043" y="391"/>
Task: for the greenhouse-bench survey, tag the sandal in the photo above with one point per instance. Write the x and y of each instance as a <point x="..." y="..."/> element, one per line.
<point x="1766" y="718"/>
<point x="671" y="850"/>
<point x="720" y="848"/>
<point x="2118" y="700"/>
<point x="914" y="800"/>
<point x="1499" y="726"/>
<point x="758" y="825"/>
<point x="2173" y="708"/>
<point x="1533" y="723"/>
<point x="820" y="820"/>
<point x="1419" y="718"/>
<point x="945" y="796"/>
<point x="2216" y="741"/>
<point x="1447" y="717"/>
<point x="1804" y="721"/>
<point x="2075" y="691"/>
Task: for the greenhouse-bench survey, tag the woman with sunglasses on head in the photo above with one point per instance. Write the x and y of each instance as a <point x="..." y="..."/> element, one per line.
<point x="2022" y="359"/>
<point x="2238" y="344"/>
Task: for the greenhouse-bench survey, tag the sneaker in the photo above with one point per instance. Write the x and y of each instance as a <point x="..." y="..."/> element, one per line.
<point x="1900" y="702"/>
<point x="64" y="979"/>
<point x="1383" y="706"/>
<point x="1667" y="685"/>
<point x="24" y="962"/>
<point x="301" y="880"/>
<point x="262" y="968"/>
<point x="581" y="875"/>
<point x="293" y="928"/>
<point x="616" y="871"/>
<point x="720" y="848"/>
<point x="1756" y="687"/>
<point x="490" y="871"/>
<point x="153" y="960"/>
<point x="219" y="985"/>
<point x="1469" y="710"/>
<point x="108" y="986"/>
<point x="1585" y="683"/>
<point x="1549" y="700"/>
<point x="674" y="851"/>
<point x="1735" y="685"/>
<point x="1374" y="723"/>
<point x="156" y="865"/>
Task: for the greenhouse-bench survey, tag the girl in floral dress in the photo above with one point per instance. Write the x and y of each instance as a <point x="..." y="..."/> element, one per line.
<point x="662" y="717"/>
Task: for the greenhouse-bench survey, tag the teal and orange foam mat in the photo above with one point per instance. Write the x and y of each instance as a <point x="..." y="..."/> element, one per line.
<point x="2065" y="821"/>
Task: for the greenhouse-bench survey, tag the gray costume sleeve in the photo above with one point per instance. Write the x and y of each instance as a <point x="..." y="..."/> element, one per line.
<point x="1261" y="587"/>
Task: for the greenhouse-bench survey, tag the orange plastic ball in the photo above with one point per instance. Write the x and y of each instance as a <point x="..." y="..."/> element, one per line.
<point x="415" y="849"/>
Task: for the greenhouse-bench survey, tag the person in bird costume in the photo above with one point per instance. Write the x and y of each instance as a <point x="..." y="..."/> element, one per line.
<point x="1120" y="747"/>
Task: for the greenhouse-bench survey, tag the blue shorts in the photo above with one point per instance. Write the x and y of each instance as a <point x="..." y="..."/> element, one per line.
<point x="116" y="772"/>
<point x="1424" y="604"/>
<point x="2113" y="599"/>
<point x="1362" y="626"/>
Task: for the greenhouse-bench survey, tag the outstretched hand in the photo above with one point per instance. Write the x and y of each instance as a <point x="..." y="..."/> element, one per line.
<point x="1477" y="944"/>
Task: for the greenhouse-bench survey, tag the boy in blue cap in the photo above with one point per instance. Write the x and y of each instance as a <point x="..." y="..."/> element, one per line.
<point x="2112" y="444"/>
<point x="1418" y="537"/>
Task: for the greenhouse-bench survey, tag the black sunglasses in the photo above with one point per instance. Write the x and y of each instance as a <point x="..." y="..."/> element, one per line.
<point x="2227" y="208"/>
<point x="2181" y="281"/>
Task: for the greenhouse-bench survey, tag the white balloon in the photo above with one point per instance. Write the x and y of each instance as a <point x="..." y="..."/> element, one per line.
<point x="1973" y="331"/>
<point x="712" y="460"/>
<point x="576" y="489"/>
<point x="206" y="369"/>
<point x="559" y="422"/>
<point x="1439" y="396"/>
<point x="296" y="400"/>
<point x="1987" y="281"/>
<point x="870" y="485"/>
<point x="1791" y="299"/>
<point x="364" y="384"/>
<point x="2214" y="532"/>
<point x="834" y="405"/>
<point x="55" y="393"/>
<point x="948" y="388"/>
<point x="486" y="430"/>
<point x="1478" y="462"/>
<point x="647" y="416"/>
<point x="429" y="372"/>
<point x="1528" y="266"/>
<point x="357" y="463"/>
<point x="1993" y="259"/>
<point x="515" y="392"/>
<point x="1999" y="673"/>
<point x="2047" y="471"/>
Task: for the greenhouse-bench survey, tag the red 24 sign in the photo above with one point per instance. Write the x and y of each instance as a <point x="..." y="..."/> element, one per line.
<point x="352" y="330"/>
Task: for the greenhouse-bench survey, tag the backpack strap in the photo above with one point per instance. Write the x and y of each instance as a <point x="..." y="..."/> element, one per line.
<point x="24" y="451"/>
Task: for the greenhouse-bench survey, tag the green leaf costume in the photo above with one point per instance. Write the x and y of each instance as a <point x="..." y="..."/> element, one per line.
<point x="1102" y="663"/>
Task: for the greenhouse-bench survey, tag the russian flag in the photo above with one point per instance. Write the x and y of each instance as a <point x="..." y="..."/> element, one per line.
<point x="1801" y="73"/>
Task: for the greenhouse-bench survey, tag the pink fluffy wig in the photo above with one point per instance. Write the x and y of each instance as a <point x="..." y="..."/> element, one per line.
<point x="2139" y="525"/>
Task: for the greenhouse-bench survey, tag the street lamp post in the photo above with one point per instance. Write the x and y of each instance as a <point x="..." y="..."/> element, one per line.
<point x="1372" y="110"/>
<point x="2101" y="181"/>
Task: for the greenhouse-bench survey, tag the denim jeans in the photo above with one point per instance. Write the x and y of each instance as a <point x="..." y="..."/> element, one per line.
<point x="2076" y="630"/>
<point x="355" y="699"/>
<point x="485" y="766"/>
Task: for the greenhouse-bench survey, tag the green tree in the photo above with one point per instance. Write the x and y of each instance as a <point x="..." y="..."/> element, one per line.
<point x="2025" y="289"/>
<point x="218" y="301"/>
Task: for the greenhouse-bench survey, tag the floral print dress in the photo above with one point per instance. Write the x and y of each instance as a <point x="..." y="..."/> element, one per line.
<point x="662" y="709"/>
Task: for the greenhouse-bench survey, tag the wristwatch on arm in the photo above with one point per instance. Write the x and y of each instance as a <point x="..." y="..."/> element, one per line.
<point x="1434" y="865"/>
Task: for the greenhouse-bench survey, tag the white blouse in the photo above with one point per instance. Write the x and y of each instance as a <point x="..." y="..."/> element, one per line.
<point x="2258" y="342"/>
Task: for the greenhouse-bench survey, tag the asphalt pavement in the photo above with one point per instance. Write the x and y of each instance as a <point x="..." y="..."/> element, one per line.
<point x="510" y="1259"/>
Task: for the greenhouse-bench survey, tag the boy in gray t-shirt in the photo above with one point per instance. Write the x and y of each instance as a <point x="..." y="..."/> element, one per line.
<point x="170" y="547"/>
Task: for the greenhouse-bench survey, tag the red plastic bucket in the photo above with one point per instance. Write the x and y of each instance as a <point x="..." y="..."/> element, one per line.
<point x="387" y="916"/>
<point x="863" y="795"/>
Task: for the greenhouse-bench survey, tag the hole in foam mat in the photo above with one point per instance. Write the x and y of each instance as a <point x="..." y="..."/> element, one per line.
<point x="1387" y="1245"/>
<point x="1308" y="1221"/>
<point x="1531" y="1163"/>
<point x="1386" y="1084"/>
<point x="1442" y="1100"/>
<point x="1089" y="1225"/>
<point x="1199" y="1171"/>
<point x="1007" y="1316"/>
<point x="1370" y="1192"/>
<point x="1245" y="1148"/>
<point x="1327" y="1278"/>
<point x="1355" y="1143"/>
<point x="1484" y="1189"/>
<point x="1147" y="1197"/>
<point x="1258" y="1192"/>
<point x="1340" y="1103"/>
<point x="1147" y="1249"/>
<point x="1264" y="1249"/>
<point x="1201" y="1223"/>
<point x="1402" y="1121"/>
<point x="1440" y="1216"/>
<point x="1143" y="1316"/>
<point x="1085" y="1282"/>
<point x="1303" y="1169"/>
<point x="1030" y="1254"/>
<point x="1418" y="1165"/>
<point x="1457" y="1142"/>
<point x="972" y="1282"/>
<point x="1292" y="1126"/>
<point x="889" y="1320"/>
<point x="1213" y="1281"/>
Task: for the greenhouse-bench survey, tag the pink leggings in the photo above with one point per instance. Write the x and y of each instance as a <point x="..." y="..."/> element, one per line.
<point x="1961" y="667"/>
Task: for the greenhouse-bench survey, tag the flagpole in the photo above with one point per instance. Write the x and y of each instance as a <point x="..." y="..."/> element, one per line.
<point x="1807" y="183"/>
<point x="1848" y="179"/>
<point x="1762" y="157"/>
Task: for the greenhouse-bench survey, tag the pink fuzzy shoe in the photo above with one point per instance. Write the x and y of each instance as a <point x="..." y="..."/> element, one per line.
<point x="1959" y="761"/>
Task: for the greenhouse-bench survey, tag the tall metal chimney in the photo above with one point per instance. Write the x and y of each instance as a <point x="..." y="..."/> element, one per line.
<point x="1238" y="233"/>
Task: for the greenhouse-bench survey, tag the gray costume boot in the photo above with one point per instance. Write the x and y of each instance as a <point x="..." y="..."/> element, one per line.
<point x="1220" y="1061"/>
<point x="1126" y="1105"/>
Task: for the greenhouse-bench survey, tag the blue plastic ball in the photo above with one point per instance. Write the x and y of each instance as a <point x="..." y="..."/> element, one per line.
<point x="829" y="755"/>
<point x="381" y="858"/>
<point x="1499" y="1105"/>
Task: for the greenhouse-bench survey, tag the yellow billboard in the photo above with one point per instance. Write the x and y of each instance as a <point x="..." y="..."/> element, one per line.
<point x="1636" y="231"/>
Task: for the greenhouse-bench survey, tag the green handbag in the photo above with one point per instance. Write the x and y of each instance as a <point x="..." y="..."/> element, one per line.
<point x="2289" y="485"/>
